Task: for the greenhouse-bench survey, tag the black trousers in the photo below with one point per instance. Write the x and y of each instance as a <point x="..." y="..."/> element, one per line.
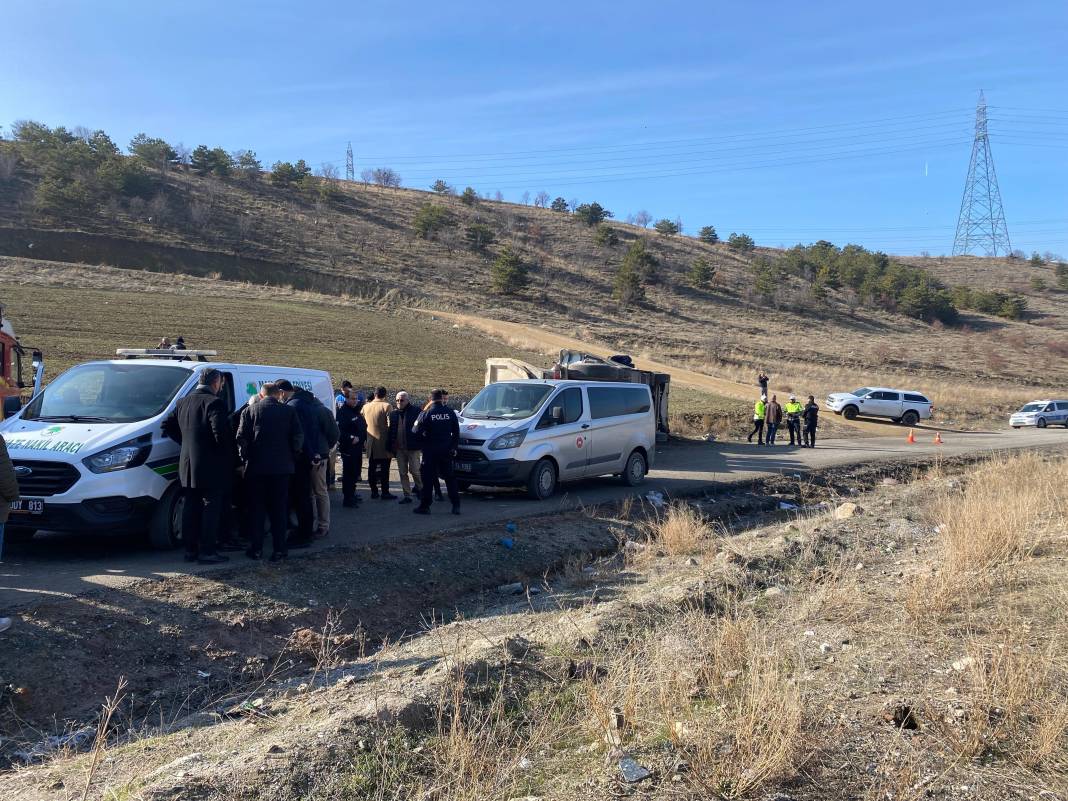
<point x="435" y="465"/>
<point x="795" y="430"/>
<point x="351" y="467"/>
<point x="201" y="516"/>
<point x="269" y="503"/>
<point x="758" y="429"/>
<point x="810" y="436"/>
<point x="300" y="492"/>
<point x="378" y="475"/>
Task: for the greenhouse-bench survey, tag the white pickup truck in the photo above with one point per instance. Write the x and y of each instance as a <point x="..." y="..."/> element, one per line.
<point x="904" y="406"/>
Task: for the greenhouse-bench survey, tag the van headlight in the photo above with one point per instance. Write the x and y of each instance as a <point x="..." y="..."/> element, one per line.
<point x="507" y="441"/>
<point x="132" y="453"/>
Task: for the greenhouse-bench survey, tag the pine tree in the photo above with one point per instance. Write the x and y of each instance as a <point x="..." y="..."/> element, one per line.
<point x="509" y="274"/>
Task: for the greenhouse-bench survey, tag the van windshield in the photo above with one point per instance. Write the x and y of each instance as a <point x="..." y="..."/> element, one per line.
<point x="107" y="393"/>
<point x="507" y="401"/>
<point x="1031" y="407"/>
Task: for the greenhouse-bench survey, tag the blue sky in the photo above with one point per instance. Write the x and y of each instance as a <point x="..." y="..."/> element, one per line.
<point x="790" y="121"/>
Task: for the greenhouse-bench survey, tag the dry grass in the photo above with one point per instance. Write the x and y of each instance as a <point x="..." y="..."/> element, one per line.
<point x="681" y="531"/>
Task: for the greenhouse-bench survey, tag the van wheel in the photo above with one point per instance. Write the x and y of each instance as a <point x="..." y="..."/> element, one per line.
<point x="634" y="472"/>
<point x="165" y="528"/>
<point x="910" y="418"/>
<point x="542" y="481"/>
<point x="1041" y="422"/>
<point x="850" y="412"/>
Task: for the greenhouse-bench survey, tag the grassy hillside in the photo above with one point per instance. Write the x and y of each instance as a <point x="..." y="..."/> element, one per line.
<point x="359" y="242"/>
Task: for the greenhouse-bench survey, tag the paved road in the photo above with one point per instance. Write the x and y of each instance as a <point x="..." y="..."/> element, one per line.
<point x="55" y="564"/>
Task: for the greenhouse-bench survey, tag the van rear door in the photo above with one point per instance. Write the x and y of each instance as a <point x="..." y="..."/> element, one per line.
<point x="614" y="411"/>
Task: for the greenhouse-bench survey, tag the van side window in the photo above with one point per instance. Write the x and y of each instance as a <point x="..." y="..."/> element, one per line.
<point x="1062" y="406"/>
<point x="569" y="402"/>
<point x="617" y="401"/>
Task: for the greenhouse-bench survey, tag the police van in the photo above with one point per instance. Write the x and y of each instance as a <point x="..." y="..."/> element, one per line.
<point x="89" y="450"/>
<point x="536" y="433"/>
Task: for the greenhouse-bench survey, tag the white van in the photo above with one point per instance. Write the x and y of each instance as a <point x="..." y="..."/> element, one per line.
<point x="89" y="451"/>
<point x="1041" y="413"/>
<point x="536" y="433"/>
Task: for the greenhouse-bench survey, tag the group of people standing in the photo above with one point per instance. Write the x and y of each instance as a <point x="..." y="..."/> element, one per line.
<point x="278" y="459"/>
<point x="768" y="416"/>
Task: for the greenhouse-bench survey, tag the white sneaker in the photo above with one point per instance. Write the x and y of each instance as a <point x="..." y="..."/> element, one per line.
<point x="5" y="623"/>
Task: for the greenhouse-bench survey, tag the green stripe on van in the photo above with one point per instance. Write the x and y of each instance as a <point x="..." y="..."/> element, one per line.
<point x="167" y="470"/>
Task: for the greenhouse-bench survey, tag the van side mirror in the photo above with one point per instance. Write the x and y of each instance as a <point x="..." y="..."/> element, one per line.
<point x="558" y="414"/>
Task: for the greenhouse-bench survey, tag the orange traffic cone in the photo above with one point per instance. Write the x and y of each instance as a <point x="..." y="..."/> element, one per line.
<point x="938" y="438"/>
<point x="911" y="438"/>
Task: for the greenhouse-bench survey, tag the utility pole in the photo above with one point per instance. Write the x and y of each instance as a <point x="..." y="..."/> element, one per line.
<point x="981" y="223"/>
<point x="350" y="169"/>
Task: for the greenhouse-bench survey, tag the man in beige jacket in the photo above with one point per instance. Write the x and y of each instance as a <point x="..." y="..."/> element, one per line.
<point x="9" y="491"/>
<point x="376" y="415"/>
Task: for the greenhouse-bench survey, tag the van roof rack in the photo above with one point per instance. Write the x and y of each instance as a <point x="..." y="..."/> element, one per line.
<point x="165" y="353"/>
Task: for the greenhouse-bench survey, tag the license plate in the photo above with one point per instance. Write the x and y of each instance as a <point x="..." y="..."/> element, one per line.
<point x="462" y="467"/>
<point x="27" y="506"/>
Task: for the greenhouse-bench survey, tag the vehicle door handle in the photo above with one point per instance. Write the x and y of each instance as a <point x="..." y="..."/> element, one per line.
<point x="585" y="425"/>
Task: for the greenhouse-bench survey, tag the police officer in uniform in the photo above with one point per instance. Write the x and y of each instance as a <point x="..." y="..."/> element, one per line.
<point x="793" y="411"/>
<point x="439" y="429"/>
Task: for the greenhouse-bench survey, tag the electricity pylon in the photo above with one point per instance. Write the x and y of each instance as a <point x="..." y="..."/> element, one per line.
<point x="981" y="223"/>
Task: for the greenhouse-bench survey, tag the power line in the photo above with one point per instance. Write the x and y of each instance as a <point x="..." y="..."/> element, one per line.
<point x="982" y="218"/>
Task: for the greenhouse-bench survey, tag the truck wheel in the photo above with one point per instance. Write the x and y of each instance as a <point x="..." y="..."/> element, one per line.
<point x="165" y="528"/>
<point x="542" y="481"/>
<point x="910" y="418"/>
<point x="1041" y="422"/>
<point x="634" y="472"/>
<point x="850" y="412"/>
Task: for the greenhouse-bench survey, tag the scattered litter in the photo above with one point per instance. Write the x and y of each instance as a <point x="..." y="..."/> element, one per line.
<point x="312" y="602"/>
<point x="76" y="740"/>
<point x="826" y="648"/>
<point x="515" y="588"/>
<point x="964" y="663"/>
<point x="632" y="772"/>
<point x="709" y="437"/>
<point x="203" y="674"/>
<point x="797" y="475"/>
<point x="533" y="589"/>
<point x="655" y="498"/>
<point x="524" y="764"/>
<point x="634" y="546"/>
<point x="511" y="527"/>
<point x="507" y="542"/>
<point x="810" y="633"/>
<point x="786" y="506"/>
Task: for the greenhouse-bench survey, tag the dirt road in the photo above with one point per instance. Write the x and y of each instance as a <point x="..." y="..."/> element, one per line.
<point x="65" y="565"/>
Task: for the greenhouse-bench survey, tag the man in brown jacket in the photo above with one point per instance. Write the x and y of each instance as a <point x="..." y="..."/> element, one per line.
<point x="9" y="491"/>
<point x="376" y="415"/>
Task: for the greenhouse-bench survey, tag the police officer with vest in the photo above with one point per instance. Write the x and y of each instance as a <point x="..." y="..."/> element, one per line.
<point x="438" y="428"/>
<point x="793" y="419"/>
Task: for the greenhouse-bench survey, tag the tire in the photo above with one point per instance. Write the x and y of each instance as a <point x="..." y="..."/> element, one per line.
<point x="1018" y="428"/>
<point x="542" y="481"/>
<point x="17" y="534"/>
<point x="1040" y="423"/>
<point x="850" y="412"/>
<point x="165" y="527"/>
<point x="634" y="472"/>
<point x="910" y="418"/>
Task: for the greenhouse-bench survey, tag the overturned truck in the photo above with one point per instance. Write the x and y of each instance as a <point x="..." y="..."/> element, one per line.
<point x="580" y="366"/>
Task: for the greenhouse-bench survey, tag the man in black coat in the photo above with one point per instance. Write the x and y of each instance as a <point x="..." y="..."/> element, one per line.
<point x="270" y="441"/>
<point x="353" y="433"/>
<point x="404" y="444"/>
<point x="438" y="429"/>
<point x="312" y="457"/>
<point x="201" y="425"/>
<point x="810" y="415"/>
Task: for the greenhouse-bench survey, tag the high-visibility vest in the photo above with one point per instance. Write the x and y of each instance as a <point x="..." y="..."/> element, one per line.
<point x="759" y="410"/>
<point x="793" y="407"/>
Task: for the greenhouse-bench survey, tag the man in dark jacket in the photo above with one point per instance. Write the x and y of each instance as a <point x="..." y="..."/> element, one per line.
<point x="311" y="458"/>
<point x="810" y="416"/>
<point x="200" y="424"/>
<point x="439" y="431"/>
<point x="405" y="446"/>
<point x="352" y="430"/>
<point x="774" y="420"/>
<point x="269" y="441"/>
<point x="322" y="474"/>
<point x="9" y="492"/>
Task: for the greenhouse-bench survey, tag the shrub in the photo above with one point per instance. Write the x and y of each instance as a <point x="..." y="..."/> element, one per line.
<point x="211" y="161"/>
<point x="509" y="274"/>
<point x="1038" y="283"/>
<point x="643" y="218"/>
<point x="592" y="213"/>
<point x="666" y="227"/>
<point x="742" y="243"/>
<point x="283" y="173"/>
<point x="605" y="236"/>
<point x="702" y="273"/>
<point x="767" y="275"/>
<point x="440" y="187"/>
<point x="430" y="219"/>
<point x="247" y="165"/>
<point x="628" y="287"/>
<point x="541" y="200"/>
<point x="1061" y="272"/>
<point x="708" y="234"/>
<point x="559" y="205"/>
<point x="382" y="176"/>
<point x="1036" y="259"/>
<point x="469" y="197"/>
<point x="478" y="236"/>
<point x="152" y="151"/>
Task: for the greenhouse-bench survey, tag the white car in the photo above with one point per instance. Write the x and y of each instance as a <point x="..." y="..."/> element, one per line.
<point x="1041" y="413"/>
<point x="906" y="406"/>
<point x="538" y="433"/>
